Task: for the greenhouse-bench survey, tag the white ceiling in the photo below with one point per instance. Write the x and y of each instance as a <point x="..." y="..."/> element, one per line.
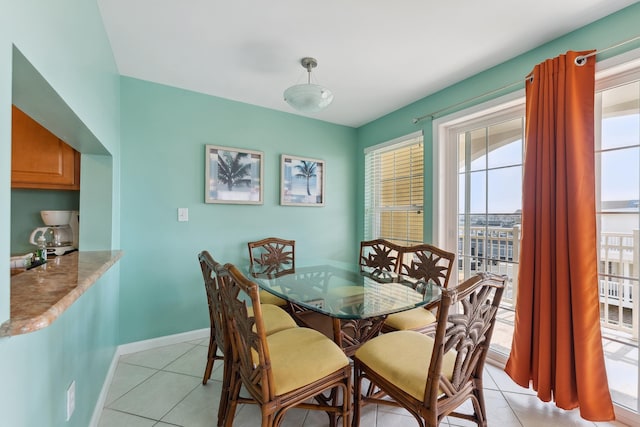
<point x="375" y="55"/>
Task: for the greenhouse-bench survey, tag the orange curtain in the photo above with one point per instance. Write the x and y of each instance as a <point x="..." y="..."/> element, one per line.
<point x="557" y="343"/>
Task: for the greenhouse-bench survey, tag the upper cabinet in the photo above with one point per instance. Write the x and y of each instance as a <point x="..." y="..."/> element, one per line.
<point x="39" y="159"/>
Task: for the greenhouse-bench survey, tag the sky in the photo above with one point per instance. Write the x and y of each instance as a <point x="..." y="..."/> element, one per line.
<point x="619" y="162"/>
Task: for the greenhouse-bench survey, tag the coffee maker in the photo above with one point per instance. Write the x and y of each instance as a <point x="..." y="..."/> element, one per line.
<point x="60" y="233"/>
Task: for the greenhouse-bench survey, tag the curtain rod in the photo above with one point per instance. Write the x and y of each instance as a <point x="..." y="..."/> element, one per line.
<point x="579" y="61"/>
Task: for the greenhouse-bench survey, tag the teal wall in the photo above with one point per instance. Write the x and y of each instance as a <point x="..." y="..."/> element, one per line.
<point x="37" y="368"/>
<point x="56" y="65"/>
<point x="164" y="133"/>
<point x="609" y="31"/>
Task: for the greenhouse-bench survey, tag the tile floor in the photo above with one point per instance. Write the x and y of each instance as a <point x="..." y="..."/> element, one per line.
<point x="162" y="387"/>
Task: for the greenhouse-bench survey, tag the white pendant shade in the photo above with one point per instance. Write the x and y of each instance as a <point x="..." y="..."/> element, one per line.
<point x="308" y="98"/>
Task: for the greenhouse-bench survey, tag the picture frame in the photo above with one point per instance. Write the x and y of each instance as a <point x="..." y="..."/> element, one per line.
<point x="233" y="175"/>
<point x="302" y="181"/>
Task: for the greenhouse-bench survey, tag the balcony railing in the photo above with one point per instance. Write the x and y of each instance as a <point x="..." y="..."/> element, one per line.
<point x="618" y="281"/>
<point x="496" y="249"/>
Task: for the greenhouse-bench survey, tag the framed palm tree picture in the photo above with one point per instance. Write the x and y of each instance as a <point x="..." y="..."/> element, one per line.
<point x="302" y="181"/>
<point x="233" y="175"/>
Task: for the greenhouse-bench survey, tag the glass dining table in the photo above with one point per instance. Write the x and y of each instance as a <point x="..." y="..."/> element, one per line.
<point x="347" y="302"/>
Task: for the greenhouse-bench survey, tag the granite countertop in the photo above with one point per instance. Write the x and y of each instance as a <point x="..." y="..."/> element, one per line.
<point x="40" y="295"/>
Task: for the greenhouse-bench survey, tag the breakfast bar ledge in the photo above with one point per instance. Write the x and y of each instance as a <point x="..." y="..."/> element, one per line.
<point x="40" y="295"/>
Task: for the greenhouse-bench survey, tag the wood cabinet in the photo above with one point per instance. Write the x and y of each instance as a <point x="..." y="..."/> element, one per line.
<point x="39" y="159"/>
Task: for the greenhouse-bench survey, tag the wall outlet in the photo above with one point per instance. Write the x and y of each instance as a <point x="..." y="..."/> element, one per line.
<point x="71" y="399"/>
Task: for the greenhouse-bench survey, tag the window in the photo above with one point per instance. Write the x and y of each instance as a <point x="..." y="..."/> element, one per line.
<point x="617" y="157"/>
<point x="478" y="157"/>
<point x="483" y="218"/>
<point x="394" y="191"/>
<point x="490" y="197"/>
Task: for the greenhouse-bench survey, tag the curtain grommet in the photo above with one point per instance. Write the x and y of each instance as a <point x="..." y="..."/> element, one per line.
<point x="580" y="60"/>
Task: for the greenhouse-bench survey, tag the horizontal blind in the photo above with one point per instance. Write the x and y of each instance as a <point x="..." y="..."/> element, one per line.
<point x="394" y="188"/>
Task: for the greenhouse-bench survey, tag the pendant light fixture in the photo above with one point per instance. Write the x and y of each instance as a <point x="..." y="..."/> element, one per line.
<point x="308" y="98"/>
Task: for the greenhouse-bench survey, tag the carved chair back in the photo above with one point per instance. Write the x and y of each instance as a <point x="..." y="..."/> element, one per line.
<point x="427" y="263"/>
<point x="272" y="255"/>
<point x="379" y="254"/>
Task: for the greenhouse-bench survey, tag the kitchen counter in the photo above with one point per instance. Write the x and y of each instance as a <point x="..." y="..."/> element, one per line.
<point x="40" y="295"/>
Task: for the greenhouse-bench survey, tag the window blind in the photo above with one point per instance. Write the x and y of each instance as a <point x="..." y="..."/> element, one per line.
<point x="394" y="191"/>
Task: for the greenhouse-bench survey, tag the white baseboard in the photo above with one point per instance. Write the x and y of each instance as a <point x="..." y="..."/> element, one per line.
<point x="135" y="347"/>
<point x="102" y="397"/>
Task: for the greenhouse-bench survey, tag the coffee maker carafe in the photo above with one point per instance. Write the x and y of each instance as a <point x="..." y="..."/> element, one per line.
<point x="61" y="231"/>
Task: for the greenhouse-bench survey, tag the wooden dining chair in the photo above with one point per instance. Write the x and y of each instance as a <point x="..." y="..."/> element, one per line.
<point x="282" y="370"/>
<point x="272" y="255"/>
<point x="276" y="256"/>
<point x="218" y="337"/>
<point x="431" y="376"/>
<point x="427" y="264"/>
<point x="379" y="254"/>
<point x="276" y="319"/>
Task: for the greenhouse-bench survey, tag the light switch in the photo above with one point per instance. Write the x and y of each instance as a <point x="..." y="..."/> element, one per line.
<point x="183" y="214"/>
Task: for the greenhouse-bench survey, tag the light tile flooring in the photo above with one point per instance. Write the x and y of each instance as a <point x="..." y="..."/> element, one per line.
<point x="162" y="387"/>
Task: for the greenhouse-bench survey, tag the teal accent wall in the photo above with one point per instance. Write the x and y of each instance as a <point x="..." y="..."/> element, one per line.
<point x="56" y="64"/>
<point x="164" y="133"/>
<point x="37" y="368"/>
<point x="609" y="31"/>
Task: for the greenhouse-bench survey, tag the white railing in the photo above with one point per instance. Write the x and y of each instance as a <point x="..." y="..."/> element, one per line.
<point x="496" y="249"/>
<point x="617" y="293"/>
<point x="619" y="261"/>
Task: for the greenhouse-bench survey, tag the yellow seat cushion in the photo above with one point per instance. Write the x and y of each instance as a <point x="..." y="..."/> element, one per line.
<point x="402" y="358"/>
<point x="269" y="298"/>
<point x="300" y="356"/>
<point x="346" y="291"/>
<point x="275" y="319"/>
<point x="410" y="319"/>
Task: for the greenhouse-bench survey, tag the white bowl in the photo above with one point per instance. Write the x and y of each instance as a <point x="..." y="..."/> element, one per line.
<point x="56" y="217"/>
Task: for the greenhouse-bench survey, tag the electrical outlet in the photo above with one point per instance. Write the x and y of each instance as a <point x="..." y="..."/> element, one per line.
<point x="71" y="399"/>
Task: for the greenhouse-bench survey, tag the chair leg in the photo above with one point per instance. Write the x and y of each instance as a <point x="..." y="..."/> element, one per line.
<point x="478" y="404"/>
<point x="211" y="356"/>
<point x="357" y="396"/>
<point x="333" y="399"/>
<point x="268" y="420"/>
<point x="234" y="393"/>
<point x="346" y="405"/>
<point x="223" y="408"/>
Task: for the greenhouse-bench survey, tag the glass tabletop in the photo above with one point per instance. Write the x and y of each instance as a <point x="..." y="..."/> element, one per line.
<point x="342" y="290"/>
